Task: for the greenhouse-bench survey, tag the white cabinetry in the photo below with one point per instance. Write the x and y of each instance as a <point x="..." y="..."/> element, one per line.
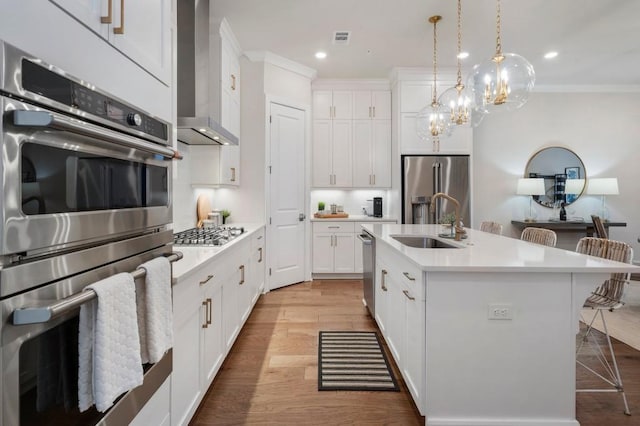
<point x="332" y="150"/>
<point x="210" y="306"/>
<point x="375" y="104"/>
<point x="214" y="166"/>
<point x="352" y="138"/>
<point x="332" y="105"/>
<point x="140" y="29"/>
<point x="229" y="81"/>
<point x="372" y="153"/>
<point x="333" y="247"/>
<point x="415" y="95"/>
<point x="400" y="314"/>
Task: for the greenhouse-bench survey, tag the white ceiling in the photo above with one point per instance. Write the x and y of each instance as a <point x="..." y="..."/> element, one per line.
<point x="598" y="40"/>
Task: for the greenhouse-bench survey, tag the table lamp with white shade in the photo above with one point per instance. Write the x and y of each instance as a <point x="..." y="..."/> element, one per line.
<point x="603" y="186"/>
<point x="530" y="186"/>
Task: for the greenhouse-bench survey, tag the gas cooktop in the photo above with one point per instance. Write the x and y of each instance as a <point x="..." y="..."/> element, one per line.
<point x="207" y="237"/>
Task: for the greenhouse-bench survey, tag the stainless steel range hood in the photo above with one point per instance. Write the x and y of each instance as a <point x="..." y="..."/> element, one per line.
<point x="198" y="109"/>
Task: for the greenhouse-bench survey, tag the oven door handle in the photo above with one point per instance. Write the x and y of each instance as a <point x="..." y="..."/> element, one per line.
<point x="26" y="118"/>
<point x="33" y="315"/>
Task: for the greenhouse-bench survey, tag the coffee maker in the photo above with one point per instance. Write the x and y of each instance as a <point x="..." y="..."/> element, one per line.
<point x="377" y="206"/>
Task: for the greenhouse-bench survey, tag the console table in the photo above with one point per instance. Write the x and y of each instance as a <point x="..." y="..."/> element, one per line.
<point x="566" y="226"/>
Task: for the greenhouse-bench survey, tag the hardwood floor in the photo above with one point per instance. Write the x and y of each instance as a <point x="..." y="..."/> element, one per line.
<point x="270" y="376"/>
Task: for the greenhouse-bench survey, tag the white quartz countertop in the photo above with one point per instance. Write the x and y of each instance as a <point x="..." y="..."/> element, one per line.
<point x="194" y="256"/>
<point x="485" y="252"/>
<point x="354" y="218"/>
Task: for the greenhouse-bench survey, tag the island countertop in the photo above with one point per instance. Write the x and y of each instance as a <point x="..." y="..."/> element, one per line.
<point x="485" y="252"/>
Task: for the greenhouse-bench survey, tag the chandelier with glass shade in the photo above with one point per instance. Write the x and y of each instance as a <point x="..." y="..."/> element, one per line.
<point x="504" y="82"/>
<point x="432" y="121"/>
<point x="458" y="100"/>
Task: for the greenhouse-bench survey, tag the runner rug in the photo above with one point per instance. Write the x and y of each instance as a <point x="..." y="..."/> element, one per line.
<point x="353" y="360"/>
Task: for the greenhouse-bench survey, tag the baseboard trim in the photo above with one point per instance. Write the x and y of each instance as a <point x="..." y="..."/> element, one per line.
<point x="336" y="276"/>
<point x="441" y="421"/>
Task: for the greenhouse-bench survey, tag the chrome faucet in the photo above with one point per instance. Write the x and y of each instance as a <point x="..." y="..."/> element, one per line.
<point x="459" y="229"/>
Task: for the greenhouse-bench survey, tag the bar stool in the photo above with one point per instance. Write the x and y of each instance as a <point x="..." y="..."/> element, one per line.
<point x="492" y="227"/>
<point x="545" y="237"/>
<point x="609" y="296"/>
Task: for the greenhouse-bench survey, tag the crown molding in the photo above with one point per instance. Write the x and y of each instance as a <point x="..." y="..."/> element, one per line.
<point x="227" y="33"/>
<point x="282" y="62"/>
<point x="548" y="88"/>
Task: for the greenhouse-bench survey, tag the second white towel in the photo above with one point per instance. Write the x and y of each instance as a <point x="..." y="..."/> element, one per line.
<point x="155" y="316"/>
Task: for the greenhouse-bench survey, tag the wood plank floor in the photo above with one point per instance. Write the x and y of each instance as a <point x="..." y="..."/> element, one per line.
<point x="270" y="376"/>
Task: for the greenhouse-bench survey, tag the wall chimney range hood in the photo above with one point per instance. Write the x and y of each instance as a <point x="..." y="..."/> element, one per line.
<point x="198" y="78"/>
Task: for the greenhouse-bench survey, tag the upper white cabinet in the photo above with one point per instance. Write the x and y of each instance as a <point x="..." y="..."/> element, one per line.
<point x="375" y="104"/>
<point x="352" y="138"/>
<point x="332" y="104"/>
<point x="229" y="81"/>
<point x="230" y="165"/>
<point x="332" y="150"/>
<point x="139" y="29"/>
<point x="214" y="166"/>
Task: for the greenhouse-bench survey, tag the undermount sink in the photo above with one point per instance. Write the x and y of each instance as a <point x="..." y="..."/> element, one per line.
<point x="422" y="242"/>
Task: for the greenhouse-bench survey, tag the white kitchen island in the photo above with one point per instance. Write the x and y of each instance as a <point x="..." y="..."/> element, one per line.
<point x="484" y="334"/>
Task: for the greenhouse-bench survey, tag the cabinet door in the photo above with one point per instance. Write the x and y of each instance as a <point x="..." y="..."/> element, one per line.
<point x="342" y="105"/>
<point x="341" y="154"/>
<point x="230" y="89"/>
<point x="381" y="153"/>
<point x="212" y="340"/>
<point x="322" y="173"/>
<point x="245" y="293"/>
<point x="362" y="153"/>
<point x="322" y="105"/>
<point x="230" y="165"/>
<point x="395" y="318"/>
<point x="357" y="253"/>
<point x="145" y="35"/>
<point x="382" y="272"/>
<point x="381" y="105"/>
<point x="415" y="95"/>
<point x="362" y="106"/>
<point x="230" y="313"/>
<point x="205" y="165"/>
<point x="91" y="13"/>
<point x="343" y="257"/>
<point x="414" y="363"/>
<point x="258" y="266"/>
<point x="322" y="252"/>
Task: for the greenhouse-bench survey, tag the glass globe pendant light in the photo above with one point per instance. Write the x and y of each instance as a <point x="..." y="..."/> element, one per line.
<point x="504" y="82"/>
<point x="432" y="121"/>
<point x="459" y="99"/>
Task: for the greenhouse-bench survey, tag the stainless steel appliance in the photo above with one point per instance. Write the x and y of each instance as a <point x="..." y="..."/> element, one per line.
<point x="214" y="236"/>
<point x="368" y="271"/>
<point x="425" y="175"/>
<point x="377" y="206"/>
<point x="86" y="193"/>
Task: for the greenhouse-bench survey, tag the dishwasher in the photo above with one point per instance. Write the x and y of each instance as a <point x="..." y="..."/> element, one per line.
<point x="368" y="270"/>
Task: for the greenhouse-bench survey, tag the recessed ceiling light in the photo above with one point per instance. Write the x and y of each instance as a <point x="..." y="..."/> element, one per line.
<point x="225" y="143"/>
<point x="463" y="55"/>
<point x="321" y="55"/>
<point x="216" y="137"/>
<point x="203" y="130"/>
<point x="550" y="55"/>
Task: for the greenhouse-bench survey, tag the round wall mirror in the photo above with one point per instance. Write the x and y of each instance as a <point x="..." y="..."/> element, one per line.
<point x="563" y="173"/>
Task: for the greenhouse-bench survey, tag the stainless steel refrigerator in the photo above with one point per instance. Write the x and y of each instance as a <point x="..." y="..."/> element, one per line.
<point x="423" y="176"/>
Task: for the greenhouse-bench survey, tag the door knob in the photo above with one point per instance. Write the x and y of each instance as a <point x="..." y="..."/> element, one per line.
<point x="301" y="217"/>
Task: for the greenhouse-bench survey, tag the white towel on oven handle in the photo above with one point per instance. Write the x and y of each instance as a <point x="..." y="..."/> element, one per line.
<point x="155" y="314"/>
<point x="109" y="345"/>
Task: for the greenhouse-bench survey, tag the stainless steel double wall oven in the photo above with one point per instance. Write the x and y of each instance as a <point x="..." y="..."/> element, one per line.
<point x="85" y="182"/>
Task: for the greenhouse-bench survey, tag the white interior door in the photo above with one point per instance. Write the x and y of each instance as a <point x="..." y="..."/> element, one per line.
<point x="287" y="243"/>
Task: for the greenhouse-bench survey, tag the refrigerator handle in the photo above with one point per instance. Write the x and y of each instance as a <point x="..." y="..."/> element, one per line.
<point x="437" y="187"/>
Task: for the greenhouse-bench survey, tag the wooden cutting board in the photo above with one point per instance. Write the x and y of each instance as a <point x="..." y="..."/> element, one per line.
<point x="341" y="215"/>
<point x="203" y="208"/>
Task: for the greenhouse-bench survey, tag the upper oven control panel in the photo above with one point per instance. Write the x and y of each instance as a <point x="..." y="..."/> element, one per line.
<point x="48" y="84"/>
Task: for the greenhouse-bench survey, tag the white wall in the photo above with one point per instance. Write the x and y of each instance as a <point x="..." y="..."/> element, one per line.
<point x="601" y="128"/>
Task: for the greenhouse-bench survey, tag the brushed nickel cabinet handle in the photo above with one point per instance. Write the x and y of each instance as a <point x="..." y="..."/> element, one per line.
<point x="374" y="112"/>
<point x="206" y="315"/>
<point x="260" y="251"/>
<point x="120" y="29"/>
<point x="206" y="280"/>
<point x="374" y="179"/>
<point x="383" y="283"/>
<point x="241" y="274"/>
<point x="409" y="277"/>
<point x="107" y="19"/>
<point x="233" y="82"/>
<point x="233" y="174"/>
<point x="406" y="293"/>
<point x="209" y="310"/>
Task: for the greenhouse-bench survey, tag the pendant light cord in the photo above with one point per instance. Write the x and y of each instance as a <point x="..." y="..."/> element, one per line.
<point x="435" y="61"/>
<point x="459" y="42"/>
<point x="498" y="29"/>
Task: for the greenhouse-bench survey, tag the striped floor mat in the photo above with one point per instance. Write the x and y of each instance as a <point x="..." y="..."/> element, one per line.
<point x="353" y="360"/>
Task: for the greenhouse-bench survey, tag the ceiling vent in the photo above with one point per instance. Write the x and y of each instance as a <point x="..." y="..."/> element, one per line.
<point x="341" y="37"/>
